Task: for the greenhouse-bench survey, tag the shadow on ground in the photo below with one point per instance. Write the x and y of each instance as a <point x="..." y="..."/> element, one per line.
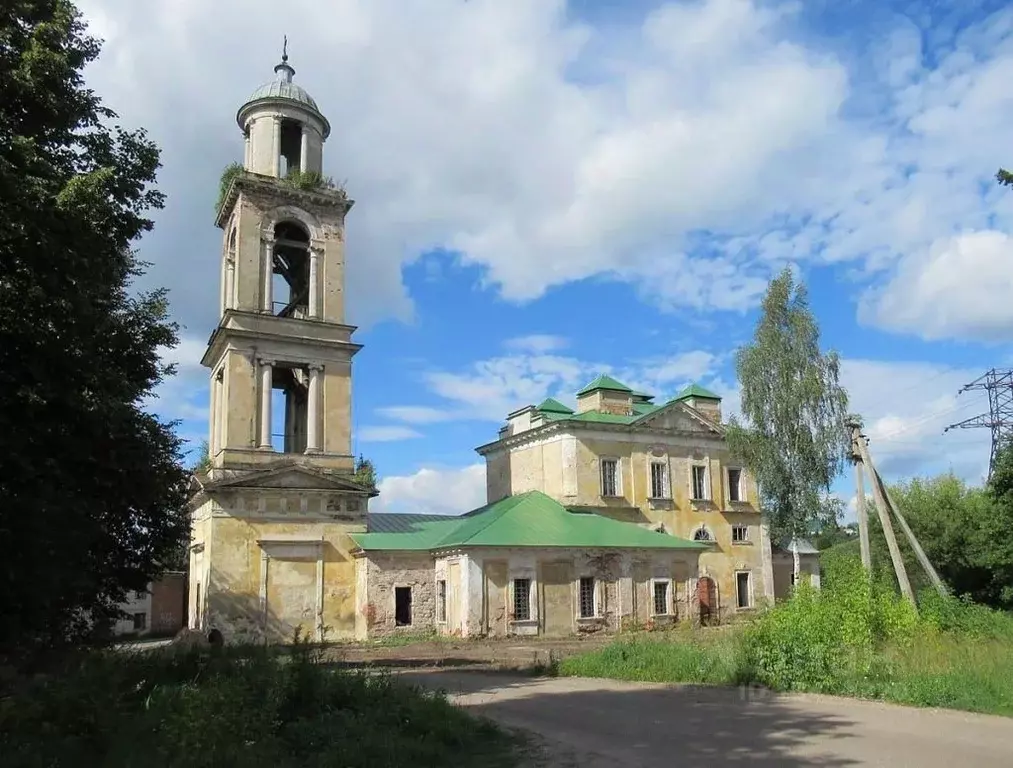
<point x="603" y="724"/>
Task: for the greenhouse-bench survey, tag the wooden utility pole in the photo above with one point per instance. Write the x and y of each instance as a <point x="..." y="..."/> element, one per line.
<point x="884" y="519"/>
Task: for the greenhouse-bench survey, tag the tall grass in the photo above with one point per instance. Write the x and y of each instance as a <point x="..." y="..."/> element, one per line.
<point x="244" y="707"/>
<point x="854" y="637"/>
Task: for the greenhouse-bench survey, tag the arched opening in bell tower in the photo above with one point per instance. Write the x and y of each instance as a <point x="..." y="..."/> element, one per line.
<point x="289" y="408"/>
<point x="291" y="140"/>
<point x="291" y="273"/>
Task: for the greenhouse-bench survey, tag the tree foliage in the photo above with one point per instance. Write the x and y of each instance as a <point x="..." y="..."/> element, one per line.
<point x="92" y="485"/>
<point x="963" y="529"/>
<point x="794" y="437"/>
<point x="365" y="473"/>
<point x="1004" y="177"/>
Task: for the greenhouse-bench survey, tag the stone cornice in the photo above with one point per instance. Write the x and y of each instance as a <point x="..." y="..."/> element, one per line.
<point x="255" y="182"/>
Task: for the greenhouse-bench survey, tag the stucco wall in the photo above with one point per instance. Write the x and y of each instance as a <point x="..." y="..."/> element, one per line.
<point x="387" y="571"/>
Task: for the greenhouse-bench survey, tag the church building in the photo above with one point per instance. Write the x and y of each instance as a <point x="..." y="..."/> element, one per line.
<point x="620" y="512"/>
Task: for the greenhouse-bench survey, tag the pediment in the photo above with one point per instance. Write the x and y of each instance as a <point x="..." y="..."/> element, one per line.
<point x="679" y="417"/>
<point x="291" y="478"/>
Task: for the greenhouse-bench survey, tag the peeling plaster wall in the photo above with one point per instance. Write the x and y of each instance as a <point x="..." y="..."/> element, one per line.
<point x="385" y="572"/>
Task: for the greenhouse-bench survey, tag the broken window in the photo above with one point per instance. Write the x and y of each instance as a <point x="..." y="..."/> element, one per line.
<point x="441" y="601"/>
<point x="742" y="596"/>
<point x="140" y="622"/>
<point x="735" y="485"/>
<point x="740" y="534"/>
<point x="609" y="477"/>
<point x="699" y="482"/>
<point x="659" y="480"/>
<point x="402" y="606"/>
<point x="587" y="603"/>
<point x="661" y="601"/>
<point x="522" y="599"/>
<point x="291" y="284"/>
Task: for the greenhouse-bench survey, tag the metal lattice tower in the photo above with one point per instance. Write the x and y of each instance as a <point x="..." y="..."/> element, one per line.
<point x="999" y="385"/>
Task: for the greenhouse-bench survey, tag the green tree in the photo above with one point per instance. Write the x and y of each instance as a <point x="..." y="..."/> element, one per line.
<point x="793" y="437"/>
<point x="92" y="485"/>
<point x="365" y="473"/>
<point x="203" y="463"/>
<point x="1004" y="177"/>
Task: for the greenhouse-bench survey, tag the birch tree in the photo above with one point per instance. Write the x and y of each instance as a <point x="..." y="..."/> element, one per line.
<point x="792" y="435"/>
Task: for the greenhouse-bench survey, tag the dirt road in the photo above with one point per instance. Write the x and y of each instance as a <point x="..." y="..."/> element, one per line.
<point x="609" y="724"/>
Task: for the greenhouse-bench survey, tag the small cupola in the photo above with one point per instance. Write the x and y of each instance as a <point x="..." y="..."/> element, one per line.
<point x="702" y="400"/>
<point x="605" y="395"/>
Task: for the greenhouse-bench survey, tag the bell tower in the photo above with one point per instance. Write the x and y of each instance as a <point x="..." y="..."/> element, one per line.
<point x="281" y="355"/>
<point x="271" y="552"/>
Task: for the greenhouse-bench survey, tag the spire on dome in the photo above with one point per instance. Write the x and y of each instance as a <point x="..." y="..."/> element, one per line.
<point x="284" y="70"/>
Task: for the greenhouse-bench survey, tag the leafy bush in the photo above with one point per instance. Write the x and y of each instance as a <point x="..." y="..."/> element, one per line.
<point x="229" y="174"/>
<point x="240" y="707"/>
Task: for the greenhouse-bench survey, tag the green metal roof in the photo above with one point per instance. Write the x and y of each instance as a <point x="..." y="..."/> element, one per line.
<point x="551" y="405"/>
<point x="390" y="531"/>
<point x="695" y="390"/>
<point x="529" y="519"/>
<point x="603" y="381"/>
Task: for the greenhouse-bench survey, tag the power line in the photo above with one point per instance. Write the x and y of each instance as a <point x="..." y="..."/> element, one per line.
<point x="998" y="383"/>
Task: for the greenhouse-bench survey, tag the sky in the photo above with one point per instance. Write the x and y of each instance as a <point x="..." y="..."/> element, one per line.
<point x="548" y="190"/>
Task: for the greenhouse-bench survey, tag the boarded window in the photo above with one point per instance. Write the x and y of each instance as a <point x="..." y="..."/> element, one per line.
<point x="735" y="485"/>
<point x="699" y="488"/>
<point x="661" y="598"/>
<point x="522" y="599"/>
<point x="740" y="534"/>
<point x="609" y="477"/>
<point x="402" y="606"/>
<point x="441" y="600"/>
<point x="659" y="480"/>
<point x="587" y="606"/>
<point x="742" y="590"/>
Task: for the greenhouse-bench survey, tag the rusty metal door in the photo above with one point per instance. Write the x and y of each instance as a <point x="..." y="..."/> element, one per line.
<point x="706" y="595"/>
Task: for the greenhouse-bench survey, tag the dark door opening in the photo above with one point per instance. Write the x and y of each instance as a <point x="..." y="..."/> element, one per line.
<point x="402" y="606"/>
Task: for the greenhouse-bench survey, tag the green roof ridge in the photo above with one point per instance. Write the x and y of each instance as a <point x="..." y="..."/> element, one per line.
<point x="604" y="381"/>
<point x="551" y="405"/>
<point x="695" y="390"/>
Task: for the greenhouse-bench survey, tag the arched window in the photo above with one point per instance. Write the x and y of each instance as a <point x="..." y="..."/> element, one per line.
<point x="702" y="534"/>
<point x="291" y="269"/>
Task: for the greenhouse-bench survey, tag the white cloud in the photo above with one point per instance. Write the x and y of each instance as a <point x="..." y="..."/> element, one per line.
<point x="537" y="343"/>
<point x="546" y="151"/>
<point x="433" y="491"/>
<point x="960" y="288"/>
<point x="386" y="434"/>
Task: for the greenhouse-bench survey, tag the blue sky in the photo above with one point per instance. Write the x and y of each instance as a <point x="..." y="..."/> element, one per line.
<point x="548" y="190"/>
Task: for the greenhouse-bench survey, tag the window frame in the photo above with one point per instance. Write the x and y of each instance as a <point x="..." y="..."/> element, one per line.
<point x="514" y="598"/>
<point x="749" y="591"/>
<point x="617" y="481"/>
<point x="704" y="529"/>
<point x="580" y="597"/>
<point x="739" y="486"/>
<point x="140" y="621"/>
<point x="441" y="601"/>
<point x="669" y="596"/>
<point x="666" y="485"/>
<point x="704" y="466"/>
<point x="745" y="535"/>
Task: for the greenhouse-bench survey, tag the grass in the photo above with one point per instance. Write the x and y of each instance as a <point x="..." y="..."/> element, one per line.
<point x="852" y="638"/>
<point x="248" y="707"/>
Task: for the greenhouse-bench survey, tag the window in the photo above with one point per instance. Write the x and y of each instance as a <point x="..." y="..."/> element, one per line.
<point x="522" y="599"/>
<point x="735" y="485"/>
<point x="587" y="606"/>
<point x="441" y="600"/>
<point x="740" y="534"/>
<point x="140" y="622"/>
<point x="699" y="481"/>
<point x="659" y="480"/>
<point x="661" y="601"/>
<point x="702" y="534"/>
<point x="402" y="606"/>
<point x="609" y="477"/>
<point x="742" y="596"/>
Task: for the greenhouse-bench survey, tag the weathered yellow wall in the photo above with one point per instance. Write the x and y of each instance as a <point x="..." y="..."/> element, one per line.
<point x="239" y="402"/>
<point x="234" y="592"/>
<point x="537" y="467"/>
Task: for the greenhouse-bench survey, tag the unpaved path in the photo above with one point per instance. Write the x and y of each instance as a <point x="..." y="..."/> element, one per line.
<point x="610" y="724"/>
